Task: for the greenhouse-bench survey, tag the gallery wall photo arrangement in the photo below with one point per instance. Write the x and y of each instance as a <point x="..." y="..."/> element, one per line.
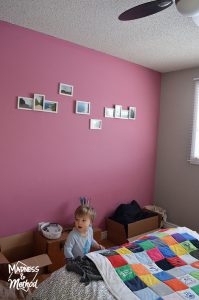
<point x="95" y="124"/>
<point x="66" y="89"/>
<point x="25" y="103"/>
<point x="82" y="107"/>
<point x="37" y="103"/>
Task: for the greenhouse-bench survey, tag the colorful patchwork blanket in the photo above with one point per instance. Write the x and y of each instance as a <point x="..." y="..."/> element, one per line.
<point x="160" y="265"/>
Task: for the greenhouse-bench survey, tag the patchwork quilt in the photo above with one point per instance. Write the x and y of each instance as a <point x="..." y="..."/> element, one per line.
<point x="160" y="265"/>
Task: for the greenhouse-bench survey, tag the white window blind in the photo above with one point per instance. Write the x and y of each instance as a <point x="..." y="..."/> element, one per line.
<point x="194" y="159"/>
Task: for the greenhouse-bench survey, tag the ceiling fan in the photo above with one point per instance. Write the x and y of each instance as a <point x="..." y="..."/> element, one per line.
<point x="189" y="8"/>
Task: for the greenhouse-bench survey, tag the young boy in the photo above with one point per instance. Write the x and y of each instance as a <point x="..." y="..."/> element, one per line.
<point x="80" y="239"/>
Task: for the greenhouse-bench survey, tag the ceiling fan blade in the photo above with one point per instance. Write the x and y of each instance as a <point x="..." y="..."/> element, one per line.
<point x="145" y="9"/>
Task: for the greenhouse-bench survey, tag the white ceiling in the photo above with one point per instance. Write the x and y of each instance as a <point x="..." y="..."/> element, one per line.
<point x="165" y="41"/>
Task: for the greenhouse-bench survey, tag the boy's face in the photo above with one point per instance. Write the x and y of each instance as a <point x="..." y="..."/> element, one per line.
<point x="82" y="223"/>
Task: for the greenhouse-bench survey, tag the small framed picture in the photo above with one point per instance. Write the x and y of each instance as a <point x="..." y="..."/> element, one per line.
<point x="65" y="89"/>
<point x="39" y="101"/>
<point x="50" y="106"/>
<point x="82" y="107"/>
<point x="109" y="112"/>
<point x="132" y="113"/>
<point x="124" y="114"/>
<point x="25" y="103"/>
<point x="118" y="109"/>
<point x="95" y="124"/>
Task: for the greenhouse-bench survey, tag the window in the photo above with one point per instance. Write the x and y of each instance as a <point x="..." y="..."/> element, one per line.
<point x="194" y="159"/>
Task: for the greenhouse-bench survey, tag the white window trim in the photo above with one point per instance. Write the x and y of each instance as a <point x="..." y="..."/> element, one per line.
<point x="194" y="157"/>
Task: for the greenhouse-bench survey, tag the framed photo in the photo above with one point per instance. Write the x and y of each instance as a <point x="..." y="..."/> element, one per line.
<point x="118" y="109"/>
<point x="95" y="124"/>
<point x="50" y="106"/>
<point x="39" y="101"/>
<point x="124" y="114"/>
<point x="132" y="113"/>
<point x="25" y="103"/>
<point x="109" y="112"/>
<point x="82" y="107"/>
<point x="65" y="89"/>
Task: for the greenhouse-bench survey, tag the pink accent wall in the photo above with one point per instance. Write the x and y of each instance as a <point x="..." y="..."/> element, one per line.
<point x="49" y="160"/>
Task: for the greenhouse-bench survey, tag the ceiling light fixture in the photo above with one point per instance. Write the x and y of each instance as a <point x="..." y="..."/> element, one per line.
<point x="189" y="8"/>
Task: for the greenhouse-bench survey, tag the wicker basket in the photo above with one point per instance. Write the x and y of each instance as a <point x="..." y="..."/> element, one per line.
<point x="51" y="231"/>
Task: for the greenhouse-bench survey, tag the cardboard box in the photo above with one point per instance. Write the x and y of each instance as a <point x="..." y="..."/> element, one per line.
<point x="20" y="247"/>
<point x="116" y="231"/>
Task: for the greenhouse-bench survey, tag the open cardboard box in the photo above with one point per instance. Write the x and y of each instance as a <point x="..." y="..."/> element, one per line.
<point x="117" y="234"/>
<point x="20" y="247"/>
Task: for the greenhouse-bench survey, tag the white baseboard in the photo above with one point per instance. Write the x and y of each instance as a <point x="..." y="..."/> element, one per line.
<point x="104" y="235"/>
<point x="169" y="225"/>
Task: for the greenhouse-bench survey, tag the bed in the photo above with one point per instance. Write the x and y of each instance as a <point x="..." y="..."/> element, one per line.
<point x="160" y="265"/>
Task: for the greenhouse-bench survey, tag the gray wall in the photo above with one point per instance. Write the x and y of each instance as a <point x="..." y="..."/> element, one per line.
<point x="177" y="181"/>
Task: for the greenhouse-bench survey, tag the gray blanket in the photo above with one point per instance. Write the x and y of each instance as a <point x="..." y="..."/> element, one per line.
<point x="85" y="268"/>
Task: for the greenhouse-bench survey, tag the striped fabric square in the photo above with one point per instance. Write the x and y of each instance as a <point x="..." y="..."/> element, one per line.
<point x="195" y="289"/>
<point x="125" y="272"/>
<point x="149" y="279"/>
<point x="155" y="254"/>
<point x="176" y="285"/>
<point x="195" y="274"/>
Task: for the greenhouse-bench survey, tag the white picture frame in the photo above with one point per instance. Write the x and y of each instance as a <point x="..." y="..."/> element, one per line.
<point x="39" y="102"/>
<point x="82" y="107"/>
<point x="66" y="89"/>
<point x="124" y="114"/>
<point x="109" y="112"/>
<point x="25" y="103"/>
<point x="132" y="113"/>
<point x="51" y="106"/>
<point x="95" y="124"/>
<point x="118" y="109"/>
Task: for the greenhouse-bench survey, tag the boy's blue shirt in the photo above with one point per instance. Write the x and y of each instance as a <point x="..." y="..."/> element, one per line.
<point x="78" y="245"/>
